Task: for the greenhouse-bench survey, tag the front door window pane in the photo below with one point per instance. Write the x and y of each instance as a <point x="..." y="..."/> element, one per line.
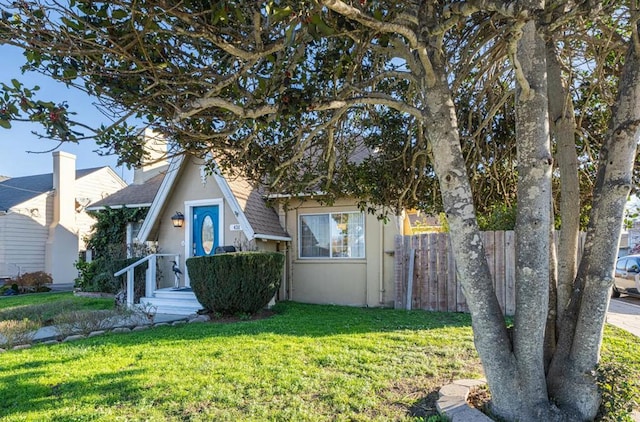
<point x="207" y="235"/>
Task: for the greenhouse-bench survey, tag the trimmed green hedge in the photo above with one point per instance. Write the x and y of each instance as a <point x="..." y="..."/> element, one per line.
<point x="233" y="283"/>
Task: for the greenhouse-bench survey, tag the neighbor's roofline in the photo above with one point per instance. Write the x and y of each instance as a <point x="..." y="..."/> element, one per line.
<point x="117" y="207"/>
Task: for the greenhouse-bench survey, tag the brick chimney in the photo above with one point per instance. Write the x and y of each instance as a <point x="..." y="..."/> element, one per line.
<point x="62" y="243"/>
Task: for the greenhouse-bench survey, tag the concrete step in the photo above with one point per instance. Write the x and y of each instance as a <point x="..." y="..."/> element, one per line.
<point x="177" y="302"/>
<point x="171" y="293"/>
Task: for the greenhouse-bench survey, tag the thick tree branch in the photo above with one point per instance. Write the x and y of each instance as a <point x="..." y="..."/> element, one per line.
<point x="351" y="12"/>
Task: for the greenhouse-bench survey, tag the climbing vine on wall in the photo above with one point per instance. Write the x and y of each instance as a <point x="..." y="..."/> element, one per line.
<point x="109" y="230"/>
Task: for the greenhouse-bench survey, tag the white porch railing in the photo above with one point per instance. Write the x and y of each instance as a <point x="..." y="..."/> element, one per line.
<point x="150" y="275"/>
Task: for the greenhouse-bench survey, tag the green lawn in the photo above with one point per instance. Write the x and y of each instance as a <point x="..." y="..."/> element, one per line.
<point x="306" y="363"/>
<point x="45" y="306"/>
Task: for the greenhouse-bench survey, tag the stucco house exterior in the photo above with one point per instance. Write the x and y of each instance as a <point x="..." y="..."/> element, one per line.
<point x="334" y="254"/>
<point x="43" y="220"/>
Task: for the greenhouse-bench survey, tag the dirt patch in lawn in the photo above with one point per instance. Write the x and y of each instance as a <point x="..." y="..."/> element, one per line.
<point x="479" y="398"/>
<point x="417" y="395"/>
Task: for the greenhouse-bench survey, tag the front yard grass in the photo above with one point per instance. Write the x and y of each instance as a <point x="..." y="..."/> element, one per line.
<point x="43" y="307"/>
<point x="306" y="363"/>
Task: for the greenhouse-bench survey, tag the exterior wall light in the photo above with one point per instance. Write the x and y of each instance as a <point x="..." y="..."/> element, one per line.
<point x="177" y="219"/>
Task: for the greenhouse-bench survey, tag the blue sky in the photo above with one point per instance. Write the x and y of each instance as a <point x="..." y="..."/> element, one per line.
<point x="15" y="143"/>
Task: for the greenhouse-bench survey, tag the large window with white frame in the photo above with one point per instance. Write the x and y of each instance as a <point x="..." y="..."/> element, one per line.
<point x="332" y="235"/>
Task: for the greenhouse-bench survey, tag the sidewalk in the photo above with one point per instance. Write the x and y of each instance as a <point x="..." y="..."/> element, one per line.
<point x="624" y="315"/>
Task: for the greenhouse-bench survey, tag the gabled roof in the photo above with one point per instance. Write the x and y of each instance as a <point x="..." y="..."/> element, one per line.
<point x="262" y="218"/>
<point x="16" y="190"/>
<point x="258" y="221"/>
<point x="133" y="196"/>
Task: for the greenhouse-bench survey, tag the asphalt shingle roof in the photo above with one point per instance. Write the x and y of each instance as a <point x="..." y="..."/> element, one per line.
<point x="262" y="218"/>
<point x="136" y="195"/>
<point x="16" y="190"/>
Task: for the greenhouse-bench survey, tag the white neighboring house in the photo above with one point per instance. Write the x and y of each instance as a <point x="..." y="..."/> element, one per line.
<point x="43" y="220"/>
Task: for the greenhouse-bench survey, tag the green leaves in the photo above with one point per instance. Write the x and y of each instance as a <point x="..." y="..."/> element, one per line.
<point x="119" y="14"/>
<point x="18" y="103"/>
<point x="278" y="14"/>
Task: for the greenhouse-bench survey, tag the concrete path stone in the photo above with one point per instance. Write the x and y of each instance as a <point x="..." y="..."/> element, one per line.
<point x="453" y="402"/>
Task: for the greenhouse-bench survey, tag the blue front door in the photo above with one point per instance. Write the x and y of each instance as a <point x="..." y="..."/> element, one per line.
<point x="205" y="230"/>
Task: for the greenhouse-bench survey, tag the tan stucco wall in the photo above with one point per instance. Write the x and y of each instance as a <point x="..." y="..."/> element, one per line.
<point x="359" y="282"/>
<point x="188" y="187"/>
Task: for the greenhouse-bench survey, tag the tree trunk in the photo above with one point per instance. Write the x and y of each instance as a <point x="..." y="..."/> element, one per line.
<point x="569" y="379"/>
<point x="490" y="334"/>
<point x="533" y="225"/>
<point x="563" y="128"/>
<point x="515" y="372"/>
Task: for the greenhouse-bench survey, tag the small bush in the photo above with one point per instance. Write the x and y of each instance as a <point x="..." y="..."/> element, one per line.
<point x="33" y="282"/>
<point x="501" y="217"/>
<point x="86" y="273"/>
<point x="6" y="290"/>
<point x="236" y="283"/>
<point x="16" y="332"/>
<point x="97" y="276"/>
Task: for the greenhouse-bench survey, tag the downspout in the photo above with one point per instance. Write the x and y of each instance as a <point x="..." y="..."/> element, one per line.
<point x="284" y="251"/>
<point x="288" y="282"/>
<point x="290" y="272"/>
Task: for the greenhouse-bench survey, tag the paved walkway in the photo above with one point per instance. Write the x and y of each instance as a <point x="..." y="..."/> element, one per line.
<point x="625" y="315"/>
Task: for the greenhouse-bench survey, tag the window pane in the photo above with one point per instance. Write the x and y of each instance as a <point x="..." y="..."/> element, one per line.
<point x="314" y="236"/>
<point x="336" y="235"/>
<point x="347" y="236"/>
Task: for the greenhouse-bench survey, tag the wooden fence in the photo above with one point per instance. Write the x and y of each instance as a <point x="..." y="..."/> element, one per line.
<point x="427" y="260"/>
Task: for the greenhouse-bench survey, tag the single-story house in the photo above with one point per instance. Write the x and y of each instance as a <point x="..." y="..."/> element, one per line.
<point x="43" y="220"/>
<point x="334" y="254"/>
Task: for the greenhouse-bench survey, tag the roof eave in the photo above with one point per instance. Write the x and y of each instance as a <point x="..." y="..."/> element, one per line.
<point x="116" y="207"/>
<point x="272" y="237"/>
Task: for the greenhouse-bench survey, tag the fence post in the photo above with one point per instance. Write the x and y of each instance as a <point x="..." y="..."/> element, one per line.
<point x="398" y="271"/>
<point x="412" y="260"/>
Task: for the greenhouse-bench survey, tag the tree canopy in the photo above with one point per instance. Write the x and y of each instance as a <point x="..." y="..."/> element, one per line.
<point x="459" y="105"/>
<point x="301" y="88"/>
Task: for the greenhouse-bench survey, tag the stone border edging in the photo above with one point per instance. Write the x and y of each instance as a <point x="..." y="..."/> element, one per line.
<point x="54" y="339"/>
<point x="453" y="402"/>
<point x="94" y="294"/>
